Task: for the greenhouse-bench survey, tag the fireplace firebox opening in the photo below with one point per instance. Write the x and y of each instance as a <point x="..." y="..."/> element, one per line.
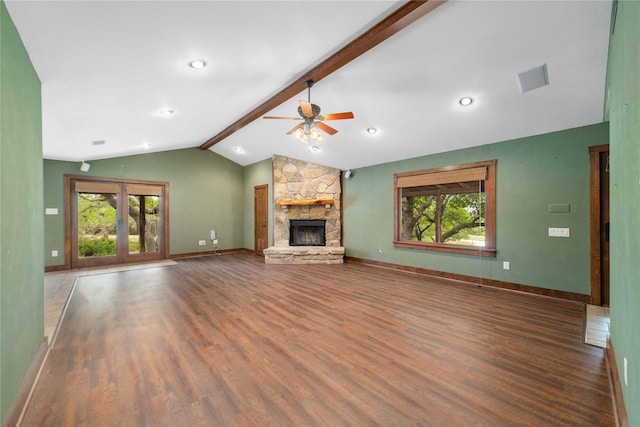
<point x="307" y="232"/>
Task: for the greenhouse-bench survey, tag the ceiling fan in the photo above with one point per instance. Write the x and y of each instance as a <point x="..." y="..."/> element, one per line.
<point x="313" y="120"/>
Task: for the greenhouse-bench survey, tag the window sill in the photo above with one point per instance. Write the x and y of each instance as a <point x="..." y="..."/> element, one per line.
<point x="446" y="248"/>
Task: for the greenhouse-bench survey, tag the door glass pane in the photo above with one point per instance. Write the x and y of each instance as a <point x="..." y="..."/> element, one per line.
<point x="96" y="225"/>
<point x="144" y="215"/>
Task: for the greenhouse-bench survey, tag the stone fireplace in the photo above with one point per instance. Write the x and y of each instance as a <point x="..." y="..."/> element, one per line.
<point x="306" y="195"/>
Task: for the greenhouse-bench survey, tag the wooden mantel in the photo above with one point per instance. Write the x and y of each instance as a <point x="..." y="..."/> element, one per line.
<point x="285" y="203"/>
<point x="304" y="202"/>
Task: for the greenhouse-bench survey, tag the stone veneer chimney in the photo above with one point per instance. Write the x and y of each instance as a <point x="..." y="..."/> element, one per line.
<point x="304" y="190"/>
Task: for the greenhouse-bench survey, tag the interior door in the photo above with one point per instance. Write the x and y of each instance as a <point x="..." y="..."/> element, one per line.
<point x="116" y="222"/>
<point x="260" y="218"/>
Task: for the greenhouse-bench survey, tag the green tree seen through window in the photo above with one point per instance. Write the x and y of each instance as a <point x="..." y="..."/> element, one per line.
<point x="439" y="216"/>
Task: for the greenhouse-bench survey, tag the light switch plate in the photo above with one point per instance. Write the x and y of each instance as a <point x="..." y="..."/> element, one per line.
<point x="559" y="232"/>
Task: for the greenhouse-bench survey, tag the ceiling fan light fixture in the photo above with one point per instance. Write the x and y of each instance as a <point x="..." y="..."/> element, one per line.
<point x="313" y="122"/>
<point x="308" y="131"/>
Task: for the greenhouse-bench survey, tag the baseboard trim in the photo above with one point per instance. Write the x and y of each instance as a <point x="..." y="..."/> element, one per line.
<point x="571" y="296"/>
<point x="19" y="406"/>
<point x="617" y="398"/>
<point x="53" y="268"/>
<point x="208" y="253"/>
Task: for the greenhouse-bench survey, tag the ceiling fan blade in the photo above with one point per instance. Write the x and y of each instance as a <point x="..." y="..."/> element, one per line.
<point x="295" y="129"/>
<point x="281" y="118"/>
<point x="306" y="108"/>
<point x="324" y="127"/>
<point x="336" y="116"/>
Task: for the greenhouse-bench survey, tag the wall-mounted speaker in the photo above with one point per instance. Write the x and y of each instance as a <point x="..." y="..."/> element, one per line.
<point x="84" y="167"/>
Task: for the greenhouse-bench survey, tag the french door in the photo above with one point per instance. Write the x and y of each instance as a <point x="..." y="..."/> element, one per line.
<point x="115" y="221"/>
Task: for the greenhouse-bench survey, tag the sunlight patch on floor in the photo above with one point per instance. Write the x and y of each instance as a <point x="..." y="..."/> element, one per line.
<point x="58" y="286"/>
<point x="597" y="325"/>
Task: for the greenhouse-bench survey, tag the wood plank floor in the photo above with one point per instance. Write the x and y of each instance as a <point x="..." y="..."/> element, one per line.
<point x="231" y="341"/>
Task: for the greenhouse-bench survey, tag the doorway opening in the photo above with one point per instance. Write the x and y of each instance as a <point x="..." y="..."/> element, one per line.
<point x="599" y="223"/>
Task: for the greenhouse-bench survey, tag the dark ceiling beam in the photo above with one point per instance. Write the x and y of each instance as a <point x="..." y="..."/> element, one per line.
<point x="401" y="18"/>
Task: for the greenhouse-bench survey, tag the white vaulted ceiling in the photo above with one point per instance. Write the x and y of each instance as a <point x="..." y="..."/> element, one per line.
<point x="109" y="67"/>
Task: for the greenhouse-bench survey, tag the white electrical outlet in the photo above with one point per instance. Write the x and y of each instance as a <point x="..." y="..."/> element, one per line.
<point x="215" y="241"/>
<point x="54" y="253"/>
<point x="559" y="232"/>
<point x="202" y="242"/>
<point x="505" y="265"/>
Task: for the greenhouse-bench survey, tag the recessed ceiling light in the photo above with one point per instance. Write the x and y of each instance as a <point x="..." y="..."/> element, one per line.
<point x="372" y="131"/>
<point x="198" y="64"/>
<point x="237" y="149"/>
<point x="467" y="100"/>
<point x="167" y="112"/>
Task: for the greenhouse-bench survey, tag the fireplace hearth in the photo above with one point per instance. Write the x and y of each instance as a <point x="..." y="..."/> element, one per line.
<point x="307" y="232"/>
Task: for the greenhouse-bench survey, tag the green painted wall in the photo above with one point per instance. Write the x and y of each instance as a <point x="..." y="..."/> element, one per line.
<point x="257" y="174"/>
<point x="21" y="213"/>
<point x="531" y="174"/>
<point x="624" y="115"/>
<point x="205" y="191"/>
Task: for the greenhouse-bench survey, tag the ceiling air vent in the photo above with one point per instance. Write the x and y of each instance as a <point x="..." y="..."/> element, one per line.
<point x="99" y="142"/>
<point x="534" y="79"/>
